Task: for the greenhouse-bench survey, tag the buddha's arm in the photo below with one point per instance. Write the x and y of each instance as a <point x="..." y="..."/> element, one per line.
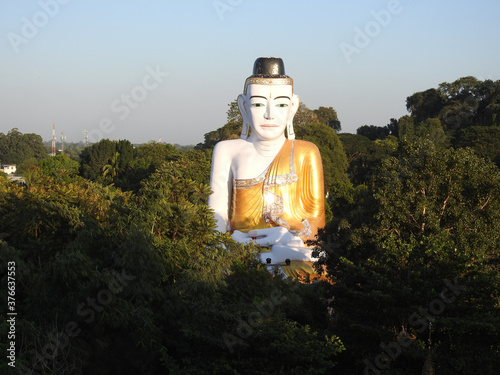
<point x="311" y="189"/>
<point x="221" y="183"/>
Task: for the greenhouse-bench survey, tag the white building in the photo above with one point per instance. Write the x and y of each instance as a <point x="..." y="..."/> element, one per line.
<point x="8" y="168"/>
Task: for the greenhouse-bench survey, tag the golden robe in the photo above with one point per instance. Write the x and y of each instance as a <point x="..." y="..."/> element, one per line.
<point x="290" y="193"/>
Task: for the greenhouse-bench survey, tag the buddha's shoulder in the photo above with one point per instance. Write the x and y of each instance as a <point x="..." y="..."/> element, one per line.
<point x="231" y="145"/>
<point x="305" y="146"/>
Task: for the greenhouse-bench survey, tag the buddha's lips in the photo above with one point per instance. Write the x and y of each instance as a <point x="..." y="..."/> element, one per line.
<point x="269" y="126"/>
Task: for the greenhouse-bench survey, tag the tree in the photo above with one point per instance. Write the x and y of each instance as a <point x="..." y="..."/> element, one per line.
<point x="364" y="157"/>
<point x="460" y="104"/>
<point x="373" y="132"/>
<point x="126" y="155"/>
<point x="78" y="284"/>
<point x="393" y="127"/>
<point x="117" y="154"/>
<point x="488" y="111"/>
<point x="459" y="113"/>
<point x="154" y="154"/>
<point x="111" y="169"/>
<point x="95" y="157"/>
<point x="448" y="191"/>
<point x="16" y="147"/>
<point x="328" y="116"/>
<point x="461" y="88"/>
<point x="59" y="166"/>
<point x="304" y="116"/>
<point x="428" y="227"/>
<point x="484" y="140"/>
<point x="146" y="159"/>
<point x="426" y="104"/>
<point x="432" y="129"/>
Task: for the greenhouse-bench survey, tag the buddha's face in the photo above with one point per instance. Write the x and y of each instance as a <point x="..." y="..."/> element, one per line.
<point x="268" y="109"/>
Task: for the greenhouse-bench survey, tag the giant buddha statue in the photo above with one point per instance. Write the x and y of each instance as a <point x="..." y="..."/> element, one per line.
<point x="268" y="186"/>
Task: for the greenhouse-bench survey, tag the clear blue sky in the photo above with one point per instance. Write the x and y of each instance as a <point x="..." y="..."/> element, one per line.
<point x="138" y="70"/>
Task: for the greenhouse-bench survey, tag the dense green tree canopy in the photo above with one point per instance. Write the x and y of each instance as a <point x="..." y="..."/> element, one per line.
<point x="484" y="140"/>
<point x="426" y="104"/>
<point x="119" y="163"/>
<point x="16" y="147"/>
<point x="59" y="166"/>
<point x="429" y="220"/>
<point x="373" y="132"/>
<point x="304" y="116"/>
<point x="95" y="157"/>
<point x="460" y="104"/>
<point x="363" y="156"/>
<point x="114" y="282"/>
<point x="328" y="116"/>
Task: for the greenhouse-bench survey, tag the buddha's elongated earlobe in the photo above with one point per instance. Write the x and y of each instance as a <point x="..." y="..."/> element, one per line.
<point x="293" y="111"/>
<point x="245" y="129"/>
<point x="289" y="131"/>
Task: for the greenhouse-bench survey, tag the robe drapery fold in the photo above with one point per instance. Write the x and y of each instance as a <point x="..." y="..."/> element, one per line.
<point x="290" y="193"/>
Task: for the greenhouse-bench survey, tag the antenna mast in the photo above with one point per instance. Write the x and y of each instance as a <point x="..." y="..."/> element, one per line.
<point x="53" y="140"/>
<point x="63" y="138"/>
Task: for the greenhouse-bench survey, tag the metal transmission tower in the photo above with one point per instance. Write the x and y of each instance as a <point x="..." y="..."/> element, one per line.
<point x="63" y="138"/>
<point x="53" y="140"/>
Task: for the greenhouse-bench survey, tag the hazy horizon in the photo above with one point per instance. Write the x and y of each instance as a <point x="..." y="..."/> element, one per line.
<point x="144" y="70"/>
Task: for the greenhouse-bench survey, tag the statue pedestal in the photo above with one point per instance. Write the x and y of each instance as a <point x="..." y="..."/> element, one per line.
<point x="278" y="246"/>
<point x="279" y="253"/>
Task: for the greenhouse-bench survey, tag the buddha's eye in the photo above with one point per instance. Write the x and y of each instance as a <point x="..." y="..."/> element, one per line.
<point x="282" y="105"/>
<point x="257" y="104"/>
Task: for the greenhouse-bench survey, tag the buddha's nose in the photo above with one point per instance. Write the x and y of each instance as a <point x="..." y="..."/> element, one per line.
<point x="269" y="114"/>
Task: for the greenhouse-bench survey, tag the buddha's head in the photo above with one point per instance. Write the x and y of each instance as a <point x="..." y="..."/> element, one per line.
<point x="268" y="103"/>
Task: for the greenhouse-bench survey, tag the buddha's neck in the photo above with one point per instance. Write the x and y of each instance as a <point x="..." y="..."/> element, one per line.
<point x="268" y="148"/>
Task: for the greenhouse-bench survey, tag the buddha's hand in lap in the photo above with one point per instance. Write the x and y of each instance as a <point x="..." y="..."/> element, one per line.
<point x="268" y="237"/>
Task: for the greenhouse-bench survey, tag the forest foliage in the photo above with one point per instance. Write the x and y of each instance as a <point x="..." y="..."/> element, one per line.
<point x="119" y="268"/>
